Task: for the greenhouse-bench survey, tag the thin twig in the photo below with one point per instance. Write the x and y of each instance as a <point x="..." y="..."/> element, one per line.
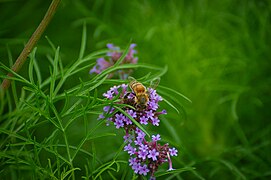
<point x="31" y="43"/>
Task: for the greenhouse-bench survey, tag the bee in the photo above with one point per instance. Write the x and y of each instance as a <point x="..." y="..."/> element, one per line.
<point x="140" y="91"/>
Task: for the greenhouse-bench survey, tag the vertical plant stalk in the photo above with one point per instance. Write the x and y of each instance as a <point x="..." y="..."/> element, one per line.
<point x="31" y="42"/>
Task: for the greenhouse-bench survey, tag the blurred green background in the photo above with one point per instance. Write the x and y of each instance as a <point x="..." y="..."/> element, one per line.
<point x="217" y="53"/>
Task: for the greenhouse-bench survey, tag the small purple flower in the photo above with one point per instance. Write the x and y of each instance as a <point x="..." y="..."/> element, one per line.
<point x="106" y="108"/>
<point x="142" y="154"/>
<point x="108" y="95"/>
<point x="154" y="96"/>
<point x="136" y="167"/>
<point x="127" y="147"/>
<point x="119" y="123"/>
<point x="103" y="63"/>
<point x="95" y="70"/>
<point x="112" y="47"/>
<point x="127" y="138"/>
<point x="173" y="151"/>
<point x="130" y="56"/>
<point x="138" y="141"/>
<point x="132" y="46"/>
<point x="149" y="114"/>
<point x="143" y="120"/>
<point x="156" y="138"/>
<point x="124" y="88"/>
<point x="127" y="121"/>
<point x="153" y="105"/>
<point x="164" y="111"/>
<point x="143" y="170"/>
<point x="144" y="148"/>
<point x="120" y="117"/>
<point x="153" y="154"/>
<point x="114" y="89"/>
<point x="101" y="116"/>
<point x="133" y="161"/>
<point x="140" y="133"/>
<point x="130" y="149"/>
<point x="155" y="121"/>
<point x="131" y="113"/>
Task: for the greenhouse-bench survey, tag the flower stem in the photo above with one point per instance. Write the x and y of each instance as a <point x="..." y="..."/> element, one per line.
<point x="31" y="42"/>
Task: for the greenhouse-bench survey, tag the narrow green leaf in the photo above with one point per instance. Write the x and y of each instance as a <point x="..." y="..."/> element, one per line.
<point x="94" y="154"/>
<point x="119" y="61"/>
<point x="160" y="73"/>
<point x="75" y="104"/>
<point x="233" y="168"/>
<point x="171" y="105"/>
<point x="94" y="86"/>
<point x="95" y="96"/>
<point x="31" y="65"/>
<point x="102" y="169"/>
<point x="173" y="99"/>
<point x="94" y="55"/>
<point x="111" y="175"/>
<point x="54" y="74"/>
<point x="61" y="70"/>
<point x="35" y="109"/>
<point x="127" y="66"/>
<point x="19" y="78"/>
<point x="81" y="69"/>
<point x="180" y="170"/>
<point x="66" y="103"/>
<point x="50" y="43"/>
<point x="50" y="165"/>
<point x="119" y="151"/>
<point x="53" y="108"/>
<point x="64" y="175"/>
<point x="99" y="136"/>
<point x="171" y="130"/>
<point x="14" y="93"/>
<point x="175" y="92"/>
<point x="83" y="41"/>
<point x="38" y="73"/>
<point x="9" y="56"/>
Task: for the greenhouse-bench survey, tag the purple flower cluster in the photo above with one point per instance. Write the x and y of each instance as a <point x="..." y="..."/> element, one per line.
<point x="111" y="58"/>
<point x="145" y="156"/>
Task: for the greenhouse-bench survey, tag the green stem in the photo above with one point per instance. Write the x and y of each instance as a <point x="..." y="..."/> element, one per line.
<point x="31" y="43"/>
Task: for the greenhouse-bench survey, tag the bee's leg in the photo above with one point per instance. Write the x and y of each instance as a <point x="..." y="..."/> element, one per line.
<point x="136" y="102"/>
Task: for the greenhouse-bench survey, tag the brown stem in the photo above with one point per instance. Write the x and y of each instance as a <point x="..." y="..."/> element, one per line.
<point x="31" y="43"/>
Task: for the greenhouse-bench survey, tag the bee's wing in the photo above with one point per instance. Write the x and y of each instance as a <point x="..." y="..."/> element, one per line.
<point x="154" y="83"/>
<point x="131" y="79"/>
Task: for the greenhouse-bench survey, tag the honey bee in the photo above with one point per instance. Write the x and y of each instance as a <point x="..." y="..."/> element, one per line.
<point x="141" y="93"/>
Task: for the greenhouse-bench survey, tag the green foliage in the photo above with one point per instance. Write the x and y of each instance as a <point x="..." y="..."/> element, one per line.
<point x="215" y="52"/>
<point x="44" y="103"/>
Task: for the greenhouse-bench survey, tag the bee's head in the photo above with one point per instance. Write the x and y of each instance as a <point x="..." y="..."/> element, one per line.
<point x="142" y="99"/>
